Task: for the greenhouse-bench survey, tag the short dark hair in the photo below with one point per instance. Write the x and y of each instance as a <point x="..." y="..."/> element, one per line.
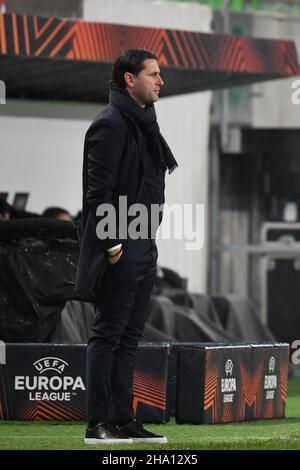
<point x="130" y="60"/>
<point x="53" y="212"/>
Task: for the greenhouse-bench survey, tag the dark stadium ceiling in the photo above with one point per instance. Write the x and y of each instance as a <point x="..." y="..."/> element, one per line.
<point x="59" y="59"/>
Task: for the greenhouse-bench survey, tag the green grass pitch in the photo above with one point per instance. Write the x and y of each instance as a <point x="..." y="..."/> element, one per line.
<point x="283" y="434"/>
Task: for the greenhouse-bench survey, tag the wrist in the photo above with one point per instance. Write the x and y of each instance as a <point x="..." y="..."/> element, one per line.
<point x="112" y="254"/>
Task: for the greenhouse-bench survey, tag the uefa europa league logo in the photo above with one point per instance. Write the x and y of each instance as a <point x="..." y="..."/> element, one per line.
<point x="228" y="367"/>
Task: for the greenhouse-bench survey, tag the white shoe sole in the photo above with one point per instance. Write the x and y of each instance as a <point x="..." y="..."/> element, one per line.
<point x="92" y="440"/>
<point x="150" y="440"/>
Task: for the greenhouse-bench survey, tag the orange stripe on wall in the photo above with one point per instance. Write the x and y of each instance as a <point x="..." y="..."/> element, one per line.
<point x="15" y="33"/>
<point x="139" y="38"/>
<point x="76" y="48"/>
<point x="196" y="49"/>
<point x="117" y="42"/>
<point x="88" y="42"/>
<point x="218" y="54"/>
<point x="82" y="42"/>
<point x="188" y="49"/>
<point x="114" y="35"/>
<point x="41" y="31"/>
<point x="35" y="26"/>
<point x="49" y="38"/>
<point x="150" y="40"/>
<point x="91" y="44"/>
<point x="170" y="49"/>
<point x="99" y="44"/>
<point x="104" y="31"/>
<point x="107" y="34"/>
<point x="96" y="42"/>
<point x="26" y="35"/>
<point x="84" y="28"/>
<point x="228" y="54"/>
<point x="93" y="41"/>
<point x="110" y="34"/>
<point x="3" y="48"/>
<point x="236" y="60"/>
<point x="77" y="44"/>
<point x="180" y="49"/>
<point x="62" y="42"/>
<point x="158" y="44"/>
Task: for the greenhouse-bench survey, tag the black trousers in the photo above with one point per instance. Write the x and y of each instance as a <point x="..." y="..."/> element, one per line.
<point x="122" y="308"/>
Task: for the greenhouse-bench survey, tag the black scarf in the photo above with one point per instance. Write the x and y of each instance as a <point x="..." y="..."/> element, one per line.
<point x="145" y="118"/>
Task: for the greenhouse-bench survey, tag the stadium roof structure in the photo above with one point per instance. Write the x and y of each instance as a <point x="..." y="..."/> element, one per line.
<point x="55" y="58"/>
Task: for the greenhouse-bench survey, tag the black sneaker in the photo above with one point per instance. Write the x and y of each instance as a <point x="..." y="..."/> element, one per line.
<point x="137" y="433"/>
<point x="105" y="434"/>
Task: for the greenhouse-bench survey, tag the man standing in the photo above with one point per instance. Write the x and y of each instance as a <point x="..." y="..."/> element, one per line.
<point x="125" y="156"/>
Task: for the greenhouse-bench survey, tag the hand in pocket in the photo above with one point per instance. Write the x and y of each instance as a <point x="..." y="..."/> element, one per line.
<point x="115" y="255"/>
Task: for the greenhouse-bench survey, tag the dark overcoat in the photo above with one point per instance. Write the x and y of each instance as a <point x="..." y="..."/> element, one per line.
<point x="113" y="166"/>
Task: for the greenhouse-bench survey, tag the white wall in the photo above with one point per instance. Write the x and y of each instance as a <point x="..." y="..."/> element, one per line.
<point x="188" y="137"/>
<point x="41" y="152"/>
<point x="151" y="13"/>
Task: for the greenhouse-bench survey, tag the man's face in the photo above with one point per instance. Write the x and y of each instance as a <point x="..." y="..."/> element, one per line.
<point x="144" y="88"/>
<point x="63" y="216"/>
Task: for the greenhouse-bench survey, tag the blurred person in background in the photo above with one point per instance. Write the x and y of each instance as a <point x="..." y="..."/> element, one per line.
<point x="4" y="210"/>
<point x="56" y="213"/>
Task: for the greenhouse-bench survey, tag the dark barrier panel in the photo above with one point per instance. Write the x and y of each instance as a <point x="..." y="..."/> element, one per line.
<point x="43" y="381"/>
<point x="210" y="383"/>
<point x="270" y="379"/>
<point x="152" y="384"/>
<point x="214" y="383"/>
<point x="221" y="384"/>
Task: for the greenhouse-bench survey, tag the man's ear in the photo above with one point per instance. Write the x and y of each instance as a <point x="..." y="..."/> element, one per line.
<point x="129" y="79"/>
